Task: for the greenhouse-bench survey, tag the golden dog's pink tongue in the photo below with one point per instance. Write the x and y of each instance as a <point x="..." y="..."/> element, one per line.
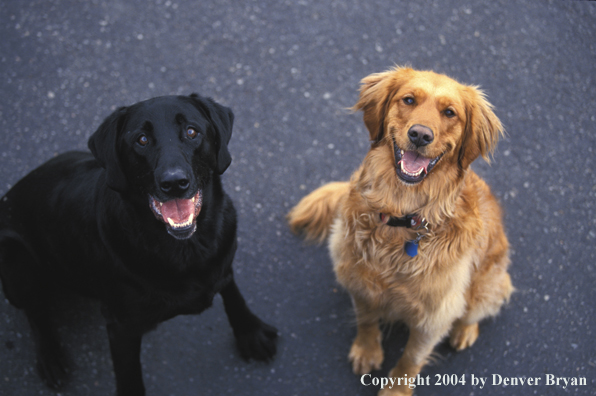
<point x="178" y="210"/>
<point x="413" y="161"/>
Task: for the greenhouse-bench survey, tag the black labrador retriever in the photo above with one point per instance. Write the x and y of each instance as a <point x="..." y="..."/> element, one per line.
<point x="142" y="224"/>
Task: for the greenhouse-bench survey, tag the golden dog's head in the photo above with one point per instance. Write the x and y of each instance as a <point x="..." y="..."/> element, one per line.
<point x="430" y="120"/>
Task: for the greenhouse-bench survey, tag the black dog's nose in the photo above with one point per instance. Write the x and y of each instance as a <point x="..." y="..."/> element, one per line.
<point x="421" y="135"/>
<point x="174" y="181"/>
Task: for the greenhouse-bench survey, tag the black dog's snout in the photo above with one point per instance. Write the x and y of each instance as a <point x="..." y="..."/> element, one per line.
<point x="421" y="135"/>
<point x="174" y="181"/>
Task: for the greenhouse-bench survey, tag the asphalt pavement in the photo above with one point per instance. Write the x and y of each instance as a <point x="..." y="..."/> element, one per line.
<point x="289" y="70"/>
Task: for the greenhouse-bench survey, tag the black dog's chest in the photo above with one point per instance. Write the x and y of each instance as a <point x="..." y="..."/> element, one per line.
<point x="189" y="297"/>
<point x="157" y="302"/>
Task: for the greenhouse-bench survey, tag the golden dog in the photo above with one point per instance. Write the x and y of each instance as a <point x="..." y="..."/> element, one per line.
<point x="415" y="236"/>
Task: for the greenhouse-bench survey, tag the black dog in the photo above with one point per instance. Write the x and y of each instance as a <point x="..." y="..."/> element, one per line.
<point x="143" y="225"/>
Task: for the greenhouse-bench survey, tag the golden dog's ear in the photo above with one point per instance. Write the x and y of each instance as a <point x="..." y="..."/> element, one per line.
<point x="482" y="130"/>
<point x="376" y="92"/>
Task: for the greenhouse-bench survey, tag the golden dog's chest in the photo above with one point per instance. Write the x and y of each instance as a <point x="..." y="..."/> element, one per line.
<point x="394" y="285"/>
<point x="371" y="270"/>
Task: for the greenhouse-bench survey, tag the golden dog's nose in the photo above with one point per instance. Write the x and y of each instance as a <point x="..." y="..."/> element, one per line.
<point x="421" y="135"/>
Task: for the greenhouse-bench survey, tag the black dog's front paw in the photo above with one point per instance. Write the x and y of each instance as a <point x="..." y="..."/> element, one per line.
<point x="258" y="342"/>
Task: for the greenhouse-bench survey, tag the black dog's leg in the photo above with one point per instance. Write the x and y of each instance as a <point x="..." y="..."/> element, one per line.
<point x="255" y="339"/>
<point x="26" y="288"/>
<point x="50" y="359"/>
<point x="125" y="347"/>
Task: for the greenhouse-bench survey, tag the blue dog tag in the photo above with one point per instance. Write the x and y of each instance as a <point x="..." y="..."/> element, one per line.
<point x="411" y="248"/>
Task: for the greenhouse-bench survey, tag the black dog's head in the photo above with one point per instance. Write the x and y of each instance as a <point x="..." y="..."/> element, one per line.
<point x="168" y="149"/>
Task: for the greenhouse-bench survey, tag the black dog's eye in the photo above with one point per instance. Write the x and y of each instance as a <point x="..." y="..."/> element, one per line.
<point x="143" y="140"/>
<point x="408" y="100"/>
<point x="191" y="132"/>
<point x="449" y="113"/>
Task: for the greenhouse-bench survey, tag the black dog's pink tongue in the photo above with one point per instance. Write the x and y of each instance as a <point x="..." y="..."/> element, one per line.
<point x="177" y="210"/>
<point x="413" y="161"/>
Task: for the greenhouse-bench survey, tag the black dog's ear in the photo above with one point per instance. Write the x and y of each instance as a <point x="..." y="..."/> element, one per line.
<point x="103" y="146"/>
<point x="222" y="119"/>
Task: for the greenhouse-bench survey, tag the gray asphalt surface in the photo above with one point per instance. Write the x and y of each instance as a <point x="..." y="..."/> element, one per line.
<point x="289" y="70"/>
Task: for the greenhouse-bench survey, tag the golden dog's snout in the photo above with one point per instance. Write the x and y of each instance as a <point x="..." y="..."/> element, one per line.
<point x="421" y="135"/>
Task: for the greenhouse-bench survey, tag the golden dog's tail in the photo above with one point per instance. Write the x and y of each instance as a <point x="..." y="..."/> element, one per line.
<point x="314" y="213"/>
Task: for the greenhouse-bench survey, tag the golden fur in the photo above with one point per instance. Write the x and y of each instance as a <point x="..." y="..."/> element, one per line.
<point x="460" y="273"/>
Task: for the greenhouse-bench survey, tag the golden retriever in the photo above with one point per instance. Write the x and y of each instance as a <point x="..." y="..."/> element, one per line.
<point x="415" y="235"/>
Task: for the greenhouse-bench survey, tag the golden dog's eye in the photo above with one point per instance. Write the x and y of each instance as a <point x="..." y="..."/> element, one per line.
<point x="143" y="140"/>
<point x="409" y="100"/>
<point x="191" y="132"/>
<point x="449" y="113"/>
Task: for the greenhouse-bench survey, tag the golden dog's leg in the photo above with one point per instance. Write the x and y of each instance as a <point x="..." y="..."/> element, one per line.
<point x="489" y="293"/>
<point x="366" y="353"/>
<point x="463" y="335"/>
<point x="418" y="348"/>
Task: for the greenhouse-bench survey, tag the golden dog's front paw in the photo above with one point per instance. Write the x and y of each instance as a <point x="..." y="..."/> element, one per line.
<point x="365" y="358"/>
<point x="463" y="336"/>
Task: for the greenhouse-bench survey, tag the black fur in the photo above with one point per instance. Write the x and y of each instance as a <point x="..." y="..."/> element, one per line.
<point x="83" y="222"/>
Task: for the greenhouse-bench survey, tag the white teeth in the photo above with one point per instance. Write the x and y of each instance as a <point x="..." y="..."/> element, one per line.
<point x="180" y="225"/>
<point x="154" y="206"/>
<point x="415" y="174"/>
<point x="193" y="199"/>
